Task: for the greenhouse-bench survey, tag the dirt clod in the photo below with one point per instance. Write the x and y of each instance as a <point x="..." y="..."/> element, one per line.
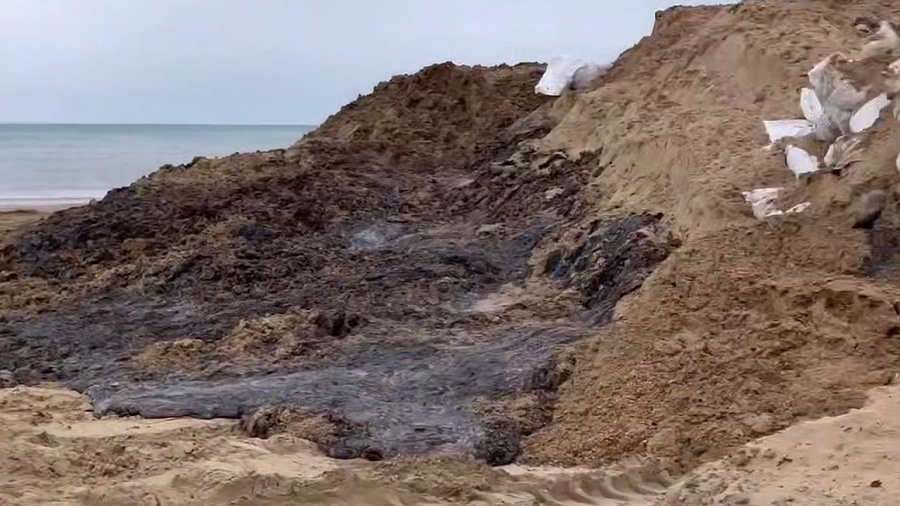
<point x="869" y="208"/>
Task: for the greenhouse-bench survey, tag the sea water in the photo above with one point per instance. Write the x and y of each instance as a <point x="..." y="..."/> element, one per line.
<point x="46" y="165"/>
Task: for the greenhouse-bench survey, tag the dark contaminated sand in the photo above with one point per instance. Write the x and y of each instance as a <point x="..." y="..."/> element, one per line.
<point x="354" y="276"/>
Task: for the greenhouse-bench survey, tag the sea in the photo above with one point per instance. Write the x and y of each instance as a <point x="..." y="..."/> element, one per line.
<point x="52" y="165"/>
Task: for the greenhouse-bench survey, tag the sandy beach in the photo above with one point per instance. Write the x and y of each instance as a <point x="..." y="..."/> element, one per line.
<point x="17" y="215"/>
<point x="12" y="218"/>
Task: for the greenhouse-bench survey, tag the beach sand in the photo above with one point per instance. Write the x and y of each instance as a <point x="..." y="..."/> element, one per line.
<point x="11" y="219"/>
<point x="54" y="451"/>
<point x="17" y="216"/>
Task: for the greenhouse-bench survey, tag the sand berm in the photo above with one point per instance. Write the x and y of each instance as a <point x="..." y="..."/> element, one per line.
<point x="454" y="278"/>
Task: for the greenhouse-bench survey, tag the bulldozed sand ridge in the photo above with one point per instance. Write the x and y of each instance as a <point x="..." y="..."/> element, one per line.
<point x="453" y="267"/>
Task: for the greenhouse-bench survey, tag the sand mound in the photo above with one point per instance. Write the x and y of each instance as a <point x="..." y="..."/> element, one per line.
<point x="849" y="459"/>
<point x="345" y="223"/>
<point x="379" y="155"/>
<point x="750" y="326"/>
<point x="437" y="119"/>
<point x="337" y="277"/>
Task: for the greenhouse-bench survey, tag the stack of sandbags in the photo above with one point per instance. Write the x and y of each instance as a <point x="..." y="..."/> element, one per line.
<point x="763" y="202"/>
<point x="837" y="111"/>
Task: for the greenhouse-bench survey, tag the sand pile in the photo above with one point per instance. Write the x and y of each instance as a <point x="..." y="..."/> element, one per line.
<point x="749" y="326"/>
<point x="848" y="459"/>
<point x="378" y="156"/>
<point x="436" y="120"/>
<point x="259" y="235"/>
<point x="342" y="277"/>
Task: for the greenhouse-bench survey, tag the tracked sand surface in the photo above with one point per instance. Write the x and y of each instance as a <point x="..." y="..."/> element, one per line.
<point x="55" y="452"/>
<point x="453" y="265"/>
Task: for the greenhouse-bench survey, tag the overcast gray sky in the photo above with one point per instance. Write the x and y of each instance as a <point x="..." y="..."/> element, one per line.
<point x="272" y="61"/>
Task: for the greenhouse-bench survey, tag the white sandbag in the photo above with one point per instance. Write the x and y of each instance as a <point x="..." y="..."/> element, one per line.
<point x="822" y="77"/>
<point x="561" y="75"/>
<point x="886" y="42"/>
<point x="842" y="151"/>
<point x="894" y="67"/>
<point x="762" y="201"/>
<point x="823" y="127"/>
<point x="868" y="114"/>
<point x="838" y="97"/>
<point x="799" y="161"/>
<point x="832" y="88"/>
<point x="829" y="155"/>
<point x="799" y="208"/>
<point x="809" y="103"/>
<point x="586" y="74"/>
<point x="779" y="129"/>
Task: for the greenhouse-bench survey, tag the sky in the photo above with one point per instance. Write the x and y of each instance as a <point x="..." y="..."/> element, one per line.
<point x="272" y="61"/>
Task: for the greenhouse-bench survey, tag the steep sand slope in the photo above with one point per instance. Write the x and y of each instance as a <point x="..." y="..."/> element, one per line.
<point x="750" y="326"/>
